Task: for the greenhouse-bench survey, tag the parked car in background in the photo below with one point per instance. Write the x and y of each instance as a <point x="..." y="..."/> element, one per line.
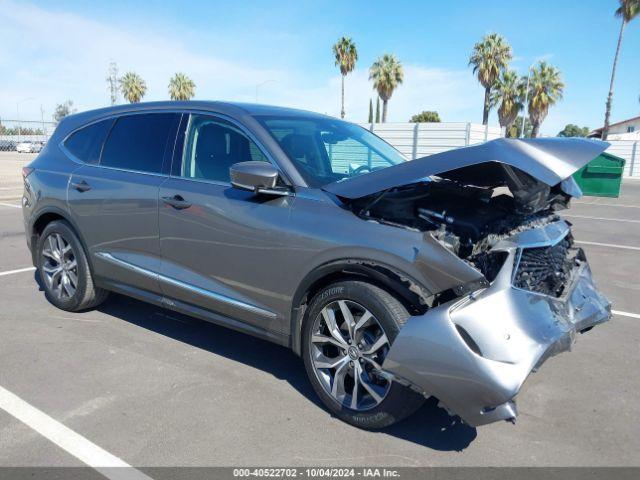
<point x="449" y="276"/>
<point x="7" y="146"/>
<point x="29" y="147"/>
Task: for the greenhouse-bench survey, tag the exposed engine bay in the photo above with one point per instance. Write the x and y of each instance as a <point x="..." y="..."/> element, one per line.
<point x="470" y="209"/>
<point x="492" y="207"/>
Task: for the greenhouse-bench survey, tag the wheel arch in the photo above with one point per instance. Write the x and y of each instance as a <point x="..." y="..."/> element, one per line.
<point x="404" y="288"/>
<point x="43" y="218"/>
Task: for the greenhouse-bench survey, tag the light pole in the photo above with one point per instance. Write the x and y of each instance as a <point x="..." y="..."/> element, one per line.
<point x="262" y="84"/>
<point x="18" y="113"/>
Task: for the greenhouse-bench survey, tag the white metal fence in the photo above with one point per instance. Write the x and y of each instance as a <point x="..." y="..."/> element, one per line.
<point x="630" y="151"/>
<point x="415" y="140"/>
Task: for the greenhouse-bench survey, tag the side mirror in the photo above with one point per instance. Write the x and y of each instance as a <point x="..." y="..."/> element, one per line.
<point x="258" y="177"/>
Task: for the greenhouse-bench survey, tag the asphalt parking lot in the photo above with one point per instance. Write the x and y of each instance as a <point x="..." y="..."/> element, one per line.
<point x="154" y="388"/>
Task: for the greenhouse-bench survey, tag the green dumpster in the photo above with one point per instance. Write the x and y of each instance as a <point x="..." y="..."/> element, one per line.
<point x="602" y="176"/>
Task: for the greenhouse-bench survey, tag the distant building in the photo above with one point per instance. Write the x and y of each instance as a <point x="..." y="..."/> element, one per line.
<point x="624" y="130"/>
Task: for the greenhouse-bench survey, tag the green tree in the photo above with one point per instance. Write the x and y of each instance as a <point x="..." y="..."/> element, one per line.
<point x="370" y="111"/>
<point x="507" y="95"/>
<point x="513" y="130"/>
<point x="378" y="110"/>
<point x="20" y="131"/>
<point x="346" y="56"/>
<point x="133" y="87"/>
<point x="571" y="130"/>
<point x="490" y="56"/>
<point x="62" y="110"/>
<point x="627" y="11"/>
<point x="545" y="90"/>
<point x="181" y="87"/>
<point x="387" y="73"/>
<point x="426" y="116"/>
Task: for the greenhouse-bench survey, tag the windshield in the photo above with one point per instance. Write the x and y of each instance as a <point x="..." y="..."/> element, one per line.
<point x="326" y="150"/>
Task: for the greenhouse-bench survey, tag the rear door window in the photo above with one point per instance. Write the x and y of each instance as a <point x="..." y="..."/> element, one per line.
<point x="85" y="144"/>
<point x="138" y="142"/>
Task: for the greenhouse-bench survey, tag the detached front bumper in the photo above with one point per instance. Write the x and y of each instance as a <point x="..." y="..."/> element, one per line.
<point x="474" y="353"/>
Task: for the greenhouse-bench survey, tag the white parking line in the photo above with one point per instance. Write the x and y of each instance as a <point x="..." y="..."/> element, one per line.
<point x="19" y="270"/>
<point x="625" y="314"/>
<point x="9" y="205"/>
<point x="86" y="451"/>
<point x="610" y="245"/>
<point x="601" y="218"/>
<point x="606" y="204"/>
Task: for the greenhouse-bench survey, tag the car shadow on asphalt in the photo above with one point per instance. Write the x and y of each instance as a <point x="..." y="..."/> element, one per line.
<point x="430" y="426"/>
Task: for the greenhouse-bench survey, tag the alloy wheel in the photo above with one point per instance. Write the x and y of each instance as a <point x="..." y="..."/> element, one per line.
<point x="348" y="346"/>
<point x="59" y="267"/>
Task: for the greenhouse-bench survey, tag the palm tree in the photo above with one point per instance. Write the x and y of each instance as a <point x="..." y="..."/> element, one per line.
<point x="489" y="57"/>
<point x="181" y="87"/>
<point x="346" y="57"/>
<point x="507" y="95"/>
<point x="133" y="87"/>
<point x="387" y="74"/>
<point x="545" y="89"/>
<point x="627" y="11"/>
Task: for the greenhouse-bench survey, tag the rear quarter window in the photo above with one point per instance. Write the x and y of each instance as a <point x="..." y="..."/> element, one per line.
<point x="86" y="143"/>
<point x="137" y="142"/>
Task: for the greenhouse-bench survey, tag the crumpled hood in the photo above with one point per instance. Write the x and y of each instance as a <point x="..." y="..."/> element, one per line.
<point x="548" y="160"/>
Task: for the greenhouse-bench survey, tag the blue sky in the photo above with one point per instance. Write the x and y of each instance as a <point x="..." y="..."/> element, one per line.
<point x="52" y="51"/>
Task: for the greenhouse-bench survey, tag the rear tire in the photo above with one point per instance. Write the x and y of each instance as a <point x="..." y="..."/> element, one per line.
<point x="64" y="269"/>
<point x="341" y="371"/>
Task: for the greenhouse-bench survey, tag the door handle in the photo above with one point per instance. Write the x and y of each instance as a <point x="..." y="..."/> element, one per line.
<point x="81" y="186"/>
<point x="176" y="202"/>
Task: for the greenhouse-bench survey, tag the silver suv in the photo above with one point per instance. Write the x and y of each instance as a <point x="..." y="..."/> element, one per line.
<point x="448" y="276"/>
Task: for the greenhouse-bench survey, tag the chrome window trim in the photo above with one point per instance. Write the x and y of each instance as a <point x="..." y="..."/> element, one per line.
<point x="201" y="180"/>
<point x="187" y="286"/>
<point x="180" y="111"/>
<point x="115" y="117"/>
<point x="140" y="172"/>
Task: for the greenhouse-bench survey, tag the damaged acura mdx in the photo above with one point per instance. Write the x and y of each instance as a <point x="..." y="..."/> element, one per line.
<point x="449" y="276"/>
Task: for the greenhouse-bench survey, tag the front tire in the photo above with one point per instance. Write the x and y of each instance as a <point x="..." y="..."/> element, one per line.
<point x="64" y="269"/>
<point x="347" y="332"/>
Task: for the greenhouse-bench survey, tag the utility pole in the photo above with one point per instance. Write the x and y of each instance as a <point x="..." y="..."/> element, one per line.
<point x="112" y="80"/>
<point x="42" y="120"/>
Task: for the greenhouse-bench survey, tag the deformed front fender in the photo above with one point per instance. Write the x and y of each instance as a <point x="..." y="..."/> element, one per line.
<point x="474" y="353"/>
